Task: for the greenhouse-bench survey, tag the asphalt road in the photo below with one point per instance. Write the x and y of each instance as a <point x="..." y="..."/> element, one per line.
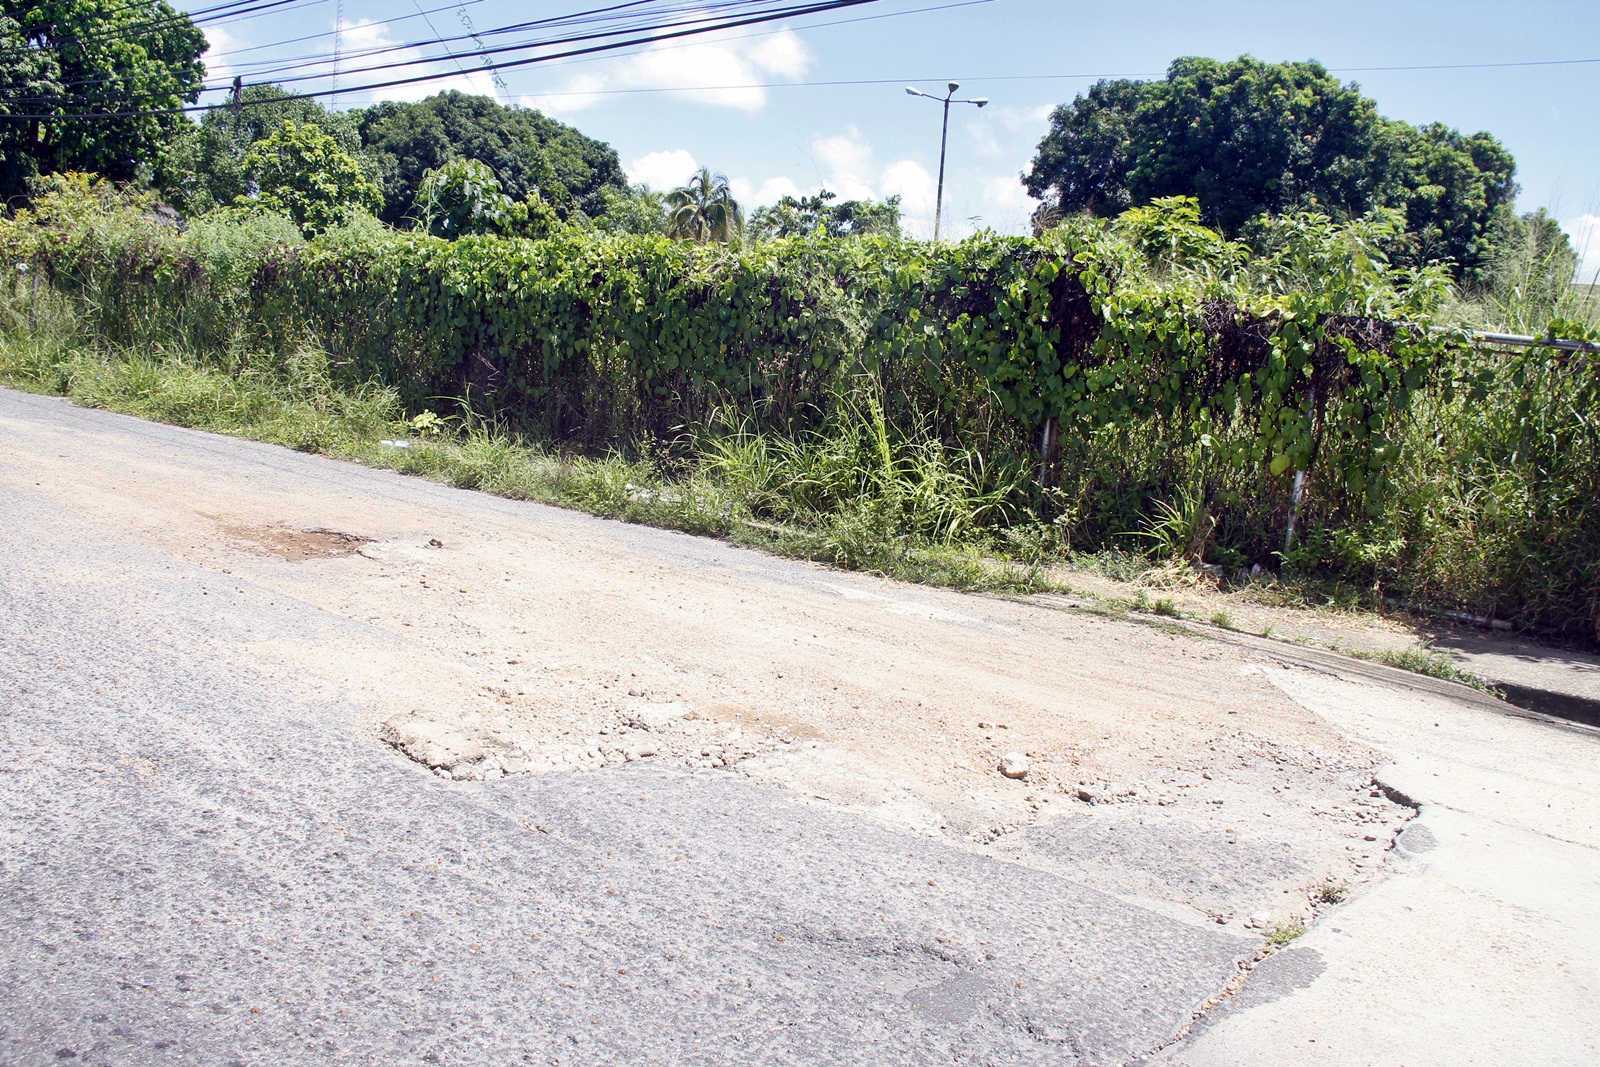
<point x="205" y="861"/>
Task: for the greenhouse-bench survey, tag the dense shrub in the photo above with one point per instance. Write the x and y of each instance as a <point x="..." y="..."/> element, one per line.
<point x="1149" y="367"/>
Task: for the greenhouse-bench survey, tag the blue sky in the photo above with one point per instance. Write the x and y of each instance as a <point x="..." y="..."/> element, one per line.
<point x="746" y="104"/>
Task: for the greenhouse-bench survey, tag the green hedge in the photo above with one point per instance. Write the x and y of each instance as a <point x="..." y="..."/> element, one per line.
<point x="600" y="340"/>
<point x="1175" y="367"/>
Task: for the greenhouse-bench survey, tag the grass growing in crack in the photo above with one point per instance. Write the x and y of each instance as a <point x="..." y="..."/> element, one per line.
<point x="1166" y="606"/>
<point x="1424" y="660"/>
<point x="1331" y="892"/>
<point x="1283" y="933"/>
<point x="1176" y="629"/>
<point x="1221" y="618"/>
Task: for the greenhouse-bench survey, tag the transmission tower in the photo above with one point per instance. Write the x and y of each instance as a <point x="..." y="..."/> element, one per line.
<point x="338" y="43"/>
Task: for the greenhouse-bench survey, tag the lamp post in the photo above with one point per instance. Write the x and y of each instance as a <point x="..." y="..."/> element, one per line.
<point x="944" y="138"/>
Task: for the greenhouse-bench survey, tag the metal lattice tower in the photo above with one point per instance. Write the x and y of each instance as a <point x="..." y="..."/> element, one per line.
<point x="338" y="42"/>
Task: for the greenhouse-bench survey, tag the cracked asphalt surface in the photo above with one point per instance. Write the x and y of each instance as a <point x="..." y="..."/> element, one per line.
<point x="201" y="862"/>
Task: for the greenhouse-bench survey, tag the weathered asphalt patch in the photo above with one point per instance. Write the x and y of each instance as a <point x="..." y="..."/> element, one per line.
<point x="194" y="869"/>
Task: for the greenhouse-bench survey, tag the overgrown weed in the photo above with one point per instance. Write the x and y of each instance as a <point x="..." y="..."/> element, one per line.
<point x="917" y="514"/>
<point x="1422" y="659"/>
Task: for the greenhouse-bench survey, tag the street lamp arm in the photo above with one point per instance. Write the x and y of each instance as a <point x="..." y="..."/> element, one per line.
<point x="944" y="139"/>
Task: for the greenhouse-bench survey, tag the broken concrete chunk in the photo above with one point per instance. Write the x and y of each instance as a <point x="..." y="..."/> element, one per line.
<point x="655" y="716"/>
<point x="434" y="744"/>
<point x="1015" y="765"/>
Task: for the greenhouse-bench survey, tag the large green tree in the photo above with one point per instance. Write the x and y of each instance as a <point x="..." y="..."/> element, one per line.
<point x="526" y="151"/>
<point x="1452" y="187"/>
<point x="62" y="59"/>
<point x="1248" y="138"/>
<point x="704" y="210"/>
<point x="208" y="161"/>
<point x="464" y="197"/>
<point x="1083" y="162"/>
<point x="638" y="209"/>
<point x="301" y="172"/>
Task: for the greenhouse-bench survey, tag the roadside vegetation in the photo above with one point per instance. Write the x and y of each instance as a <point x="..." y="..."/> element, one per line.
<point x="905" y="444"/>
<point x="1186" y="374"/>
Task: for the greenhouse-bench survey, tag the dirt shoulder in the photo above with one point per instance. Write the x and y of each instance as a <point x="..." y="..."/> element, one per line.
<point x="1533" y="674"/>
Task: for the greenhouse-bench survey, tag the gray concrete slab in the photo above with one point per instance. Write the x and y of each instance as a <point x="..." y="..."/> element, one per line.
<point x="1481" y="948"/>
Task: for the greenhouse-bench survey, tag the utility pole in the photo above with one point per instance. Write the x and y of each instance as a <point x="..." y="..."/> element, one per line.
<point x="944" y="140"/>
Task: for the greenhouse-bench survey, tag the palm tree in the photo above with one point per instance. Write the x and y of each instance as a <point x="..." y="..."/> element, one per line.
<point x="704" y="210"/>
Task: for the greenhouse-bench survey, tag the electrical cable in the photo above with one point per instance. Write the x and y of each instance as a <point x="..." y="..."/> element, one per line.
<point x="600" y="15"/>
<point x="578" y="18"/>
<point x="299" y="62"/>
<point x="792" y="11"/>
<point x="225" y="14"/>
<point x="518" y="47"/>
<point x="294" y="62"/>
<point x="330" y="33"/>
<point x="491" y="67"/>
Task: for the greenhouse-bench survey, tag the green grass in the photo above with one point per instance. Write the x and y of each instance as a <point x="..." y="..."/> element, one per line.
<point x="1166" y="606"/>
<point x="1331" y="892"/>
<point x="1423" y="660"/>
<point x="919" y="518"/>
<point x="1177" y="629"/>
<point x="1492" y="506"/>
<point x="1283" y="933"/>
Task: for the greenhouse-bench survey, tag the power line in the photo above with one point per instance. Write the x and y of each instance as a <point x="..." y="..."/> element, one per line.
<point x="236" y="10"/>
<point x="791" y="11"/>
<point x="599" y="15"/>
<point x="592" y="16"/>
<point x="267" y="68"/>
<point x="330" y="33"/>
<point x="846" y="82"/>
<point x="577" y="19"/>
<point x="277" y="65"/>
<point x="523" y="46"/>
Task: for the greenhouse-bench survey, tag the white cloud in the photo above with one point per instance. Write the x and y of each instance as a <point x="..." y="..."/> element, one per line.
<point x="1585" y="233"/>
<point x="846" y="166"/>
<point x="1020" y="118"/>
<point x="848" y="169"/>
<point x="846" y="162"/>
<point x="983" y="139"/>
<point x="663" y="170"/>
<point x="916" y="188"/>
<point x="782" y="54"/>
<point x="721" y="71"/>
<point x="218" y="41"/>
<point x="771" y="191"/>
<point x="1007" y="207"/>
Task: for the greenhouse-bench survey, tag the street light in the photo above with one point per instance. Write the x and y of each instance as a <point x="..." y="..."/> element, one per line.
<point x="944" y="138"/>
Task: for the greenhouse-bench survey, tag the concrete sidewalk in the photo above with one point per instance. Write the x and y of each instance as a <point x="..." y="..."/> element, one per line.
<point x="1483" y="946"/>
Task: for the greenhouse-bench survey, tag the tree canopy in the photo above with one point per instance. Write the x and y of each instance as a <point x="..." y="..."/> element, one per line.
<point x="59" y="57"/>
<point x="637" y="209"/>
<point x="802" y="216"/>
<point x="301" y="172"/>
<point x="525" y="150"/>
<point x="1248" y="138"/>
<point x="208" y="162"/>
<point x="464" y="197"/>
<point x="704" y="210"/>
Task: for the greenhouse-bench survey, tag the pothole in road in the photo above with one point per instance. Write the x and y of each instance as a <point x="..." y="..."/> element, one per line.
<point x="297" y="545"/>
